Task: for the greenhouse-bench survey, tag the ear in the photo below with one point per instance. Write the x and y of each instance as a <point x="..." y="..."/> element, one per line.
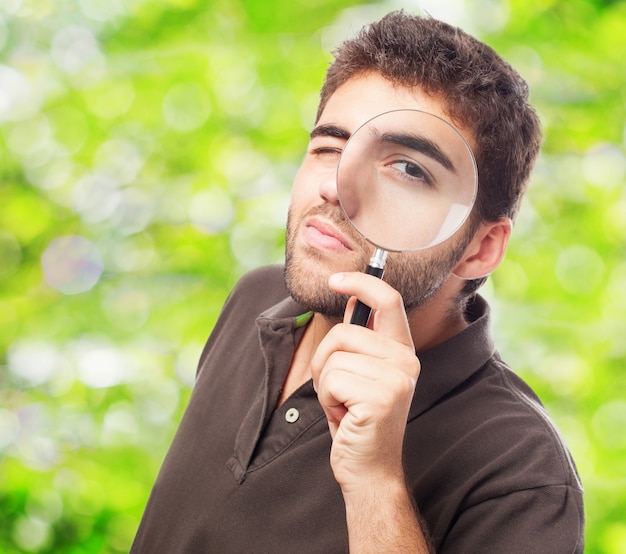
<point x="486" y="250"/>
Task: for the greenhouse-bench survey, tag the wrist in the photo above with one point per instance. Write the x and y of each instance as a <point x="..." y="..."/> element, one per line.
<point x="382" y="490"/>
<point x="382" y="517"/>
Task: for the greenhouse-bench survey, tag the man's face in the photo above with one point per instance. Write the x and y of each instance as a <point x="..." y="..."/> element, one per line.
<point x="320" y="241"/>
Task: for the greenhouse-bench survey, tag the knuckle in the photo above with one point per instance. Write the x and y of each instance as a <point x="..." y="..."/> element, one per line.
<point x="391" y="300"/>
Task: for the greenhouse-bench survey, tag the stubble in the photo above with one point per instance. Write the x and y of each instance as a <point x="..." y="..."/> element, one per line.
<point x="418" y="276"/>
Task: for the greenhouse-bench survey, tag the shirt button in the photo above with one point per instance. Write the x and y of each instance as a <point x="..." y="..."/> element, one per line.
<point x="292" y="415"/>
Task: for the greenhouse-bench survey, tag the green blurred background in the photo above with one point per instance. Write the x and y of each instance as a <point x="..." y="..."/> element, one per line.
<point x="146" y="155"/>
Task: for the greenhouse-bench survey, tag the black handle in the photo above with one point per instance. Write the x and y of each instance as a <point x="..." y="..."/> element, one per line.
<point x="362" y="312"/>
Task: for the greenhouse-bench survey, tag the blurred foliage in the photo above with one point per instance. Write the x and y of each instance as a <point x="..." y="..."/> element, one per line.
<point x="146" y="154"/>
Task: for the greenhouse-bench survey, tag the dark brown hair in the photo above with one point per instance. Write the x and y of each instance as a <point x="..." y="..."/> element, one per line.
<point x="479" y="90"/>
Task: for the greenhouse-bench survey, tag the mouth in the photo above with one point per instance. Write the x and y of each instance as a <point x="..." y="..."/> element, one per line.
<point x="321" y="234"/>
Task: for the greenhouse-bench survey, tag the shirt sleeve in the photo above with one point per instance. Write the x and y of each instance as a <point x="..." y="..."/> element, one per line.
<point x="533" y="521"/>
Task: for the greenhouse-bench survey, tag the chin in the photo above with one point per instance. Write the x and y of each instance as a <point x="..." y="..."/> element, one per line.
<point x="306" y="277"/>
<point x="307" y="271"/>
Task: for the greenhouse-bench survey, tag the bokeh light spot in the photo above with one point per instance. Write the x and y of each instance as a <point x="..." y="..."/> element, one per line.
<point x="186" y="107"/>
<point x="10" y="6"/>
<point x="9" y="428"/>
<point x="127" y="307"/>
<point x="135" y="212"/>
<point x="29" y="136"/>
<point x="580" y="269"/>
<point x="45" y="505"/>
<point x="120" y="159"/>
<point x="31" y="534"/>
<point x="605" y="166"/>
<point x="74" y="48"/>
<point x="609" y="423"/>
<point x="120" y="425"/>
<point x="101" y="10"/>
<point x="101" y="366"/>
<point x="96" y="196"/>
<point x="135" y="253"/>
<point x="18" y="99"/>
<point x="71" y="264"/>
<point x="234" y="82"/>
<point x="256" y="246"/>
<point x="34" y="362"/>
<point x="211" y="210"/>
<point x="187" y="362"/>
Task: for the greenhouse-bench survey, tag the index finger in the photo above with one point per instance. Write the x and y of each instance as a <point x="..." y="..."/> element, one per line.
<point x="389" y="316"/>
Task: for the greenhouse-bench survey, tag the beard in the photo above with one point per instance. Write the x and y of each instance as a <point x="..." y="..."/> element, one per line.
<point x="416" y="276"/>
<point x="307" y="270"/>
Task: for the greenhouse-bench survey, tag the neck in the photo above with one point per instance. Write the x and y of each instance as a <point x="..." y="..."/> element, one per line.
<point x="430" y="327"/>
<point x="300" y="369"/>
<point x="432" y="323"/>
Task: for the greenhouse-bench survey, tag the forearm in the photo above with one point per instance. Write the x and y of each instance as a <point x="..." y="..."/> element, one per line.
<point x="384" y="520"/>
<point x="365" y="381"/>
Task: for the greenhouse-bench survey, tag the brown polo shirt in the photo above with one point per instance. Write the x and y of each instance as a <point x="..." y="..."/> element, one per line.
<point x="486" y="466"/>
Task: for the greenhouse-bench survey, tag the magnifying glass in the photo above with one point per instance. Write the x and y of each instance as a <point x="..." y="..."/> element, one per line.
<point x="407" y="180"/>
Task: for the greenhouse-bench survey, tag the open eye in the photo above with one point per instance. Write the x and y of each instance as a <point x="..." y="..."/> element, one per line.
<point x="412" y="171"/>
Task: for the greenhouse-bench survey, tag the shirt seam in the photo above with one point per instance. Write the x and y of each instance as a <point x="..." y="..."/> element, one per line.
<point x="526" y="489"/>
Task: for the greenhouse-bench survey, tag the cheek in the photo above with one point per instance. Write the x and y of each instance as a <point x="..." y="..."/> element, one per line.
<point x="299" y="181"/>
<point x="304" y="191"/>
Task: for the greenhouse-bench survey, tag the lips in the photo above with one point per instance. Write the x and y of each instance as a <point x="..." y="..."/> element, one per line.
<point x="322" y="234"/>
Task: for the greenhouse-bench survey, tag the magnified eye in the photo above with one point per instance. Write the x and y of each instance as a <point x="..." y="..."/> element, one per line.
<point x="412" y="171"/>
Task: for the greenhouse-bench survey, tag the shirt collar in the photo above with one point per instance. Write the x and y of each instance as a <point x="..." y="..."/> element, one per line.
<point x="450" y="363"/>
<point x="443" y="367"/>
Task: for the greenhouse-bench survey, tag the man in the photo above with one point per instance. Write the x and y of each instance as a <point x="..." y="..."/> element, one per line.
<point x="305" y="433"/>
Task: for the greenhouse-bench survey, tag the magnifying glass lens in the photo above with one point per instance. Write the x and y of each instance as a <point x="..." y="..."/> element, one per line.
<point x="407" y="180"/>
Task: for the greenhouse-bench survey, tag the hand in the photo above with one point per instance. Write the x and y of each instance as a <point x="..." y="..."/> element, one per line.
<point x="365" y="379"/>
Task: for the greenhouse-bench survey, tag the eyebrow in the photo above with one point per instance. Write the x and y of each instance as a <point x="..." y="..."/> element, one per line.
<point x="420" y="144"/>
<point x="330" y="131"/>
<point x="413" y="142"/>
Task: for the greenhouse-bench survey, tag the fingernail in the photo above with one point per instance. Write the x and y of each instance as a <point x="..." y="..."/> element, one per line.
<point x="335" y="278"/>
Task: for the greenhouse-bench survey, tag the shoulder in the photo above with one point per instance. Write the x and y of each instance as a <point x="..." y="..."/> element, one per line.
<point x="489" y="461"/>
<point x="262" y="279"/>
<point x="489" y="437"/>
<point x="253" y="293"/>
<point x="494" y="430"/>
<point x="257" y="290"/>
<point x="511" y="425"/>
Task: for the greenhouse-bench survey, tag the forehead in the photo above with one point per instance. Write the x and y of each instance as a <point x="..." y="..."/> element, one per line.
<point x="364" y="96"/>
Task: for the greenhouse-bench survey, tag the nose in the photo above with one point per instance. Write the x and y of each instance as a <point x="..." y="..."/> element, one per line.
<point x="328" y="187"/>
